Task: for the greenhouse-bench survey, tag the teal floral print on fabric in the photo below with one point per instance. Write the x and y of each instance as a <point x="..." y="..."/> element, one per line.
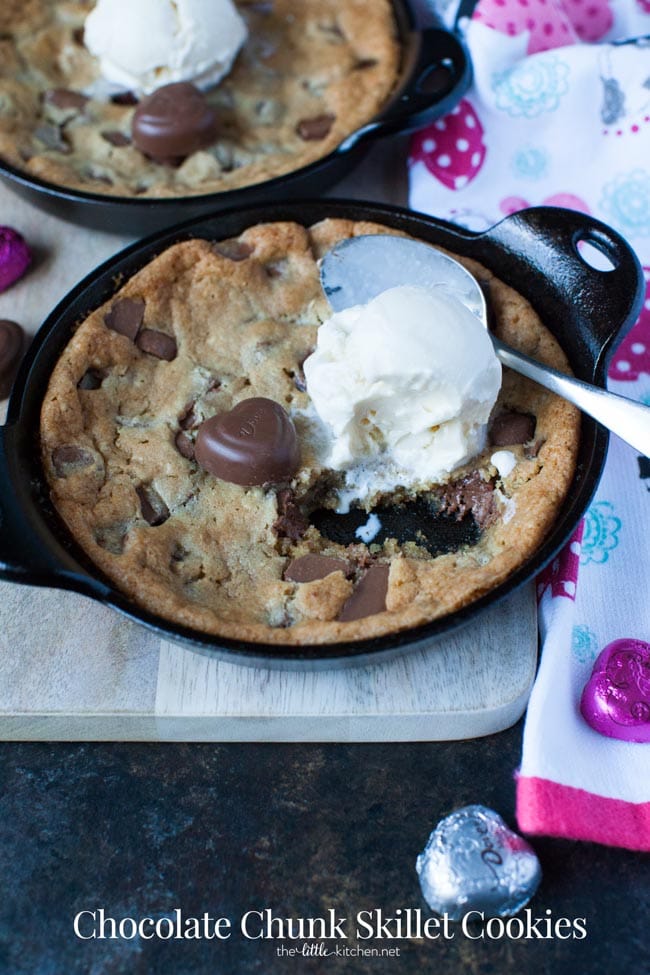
<point x="584" y="644"/>
<point x="601" y="533"/>
<point x="530" y="163"/>
<point x="531" y="87"/>
<point x="626" y="202"/>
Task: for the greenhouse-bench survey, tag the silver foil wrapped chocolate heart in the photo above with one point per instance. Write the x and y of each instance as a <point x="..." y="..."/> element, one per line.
<point x="474" y="862"/>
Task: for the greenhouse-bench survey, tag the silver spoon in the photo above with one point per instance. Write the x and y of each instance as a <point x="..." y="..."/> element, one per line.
<point x="358" y="269"/>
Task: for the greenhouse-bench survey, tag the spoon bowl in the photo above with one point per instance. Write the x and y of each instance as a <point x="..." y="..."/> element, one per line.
<point x="358" y="269"/>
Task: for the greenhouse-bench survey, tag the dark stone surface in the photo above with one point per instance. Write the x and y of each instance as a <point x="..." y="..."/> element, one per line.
<point x="142" y="829"/>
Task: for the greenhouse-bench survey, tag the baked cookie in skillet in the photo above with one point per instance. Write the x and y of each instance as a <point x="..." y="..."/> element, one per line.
<point x="207" y="328"/>
<point x="309" y="74"/>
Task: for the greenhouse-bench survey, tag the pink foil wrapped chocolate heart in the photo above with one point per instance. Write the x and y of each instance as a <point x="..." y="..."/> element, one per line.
<point x="616" y="698"/>
<point x="15" y="257"/>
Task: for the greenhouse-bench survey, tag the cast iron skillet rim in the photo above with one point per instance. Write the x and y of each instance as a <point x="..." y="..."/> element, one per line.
<point x="371" y="649"/>
<point x="407" y="28"/>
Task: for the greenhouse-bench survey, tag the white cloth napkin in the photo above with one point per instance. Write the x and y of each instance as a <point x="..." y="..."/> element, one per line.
<point x="559" y="114"/>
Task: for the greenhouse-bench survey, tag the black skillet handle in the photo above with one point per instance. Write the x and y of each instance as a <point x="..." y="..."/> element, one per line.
<point x="440" y="75"/>
<point x="606" y="303"/>
<point x="22" y="559"/>
<point x="28" y="553"/>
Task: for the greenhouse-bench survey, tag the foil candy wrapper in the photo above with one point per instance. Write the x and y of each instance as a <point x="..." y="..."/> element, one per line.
<point x="15" y="257"/>
<point x="616" y="699"/>
<point x="474" y="862"/>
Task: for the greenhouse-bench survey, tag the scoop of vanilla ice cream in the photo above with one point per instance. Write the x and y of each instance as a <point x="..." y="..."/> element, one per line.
<point x="404" y="386"/>
<point x="144" y="44"/>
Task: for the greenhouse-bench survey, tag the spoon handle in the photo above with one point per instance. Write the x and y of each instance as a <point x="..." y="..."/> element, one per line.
<point x="624" y="417"/>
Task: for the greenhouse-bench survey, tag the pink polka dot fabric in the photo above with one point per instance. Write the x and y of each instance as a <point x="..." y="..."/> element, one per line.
<point x="562" y="573"/>
<point x="632" y="359"/>
<point x="452" y="148"/>
<point x="559" y="115"/>
<point x="546" y="23"/>
<point x="591" y="19"/>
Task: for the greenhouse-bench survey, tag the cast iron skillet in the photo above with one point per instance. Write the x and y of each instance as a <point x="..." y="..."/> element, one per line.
<point x="535" y="250"/>
<point x="435" y="73"/>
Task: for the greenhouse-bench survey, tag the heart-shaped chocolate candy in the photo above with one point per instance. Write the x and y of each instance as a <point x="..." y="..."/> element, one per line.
<point x="616" y="698"/>
<point x="474" y="862"/>
<point x="255" y="443"/>
<point x="173" y="122"/>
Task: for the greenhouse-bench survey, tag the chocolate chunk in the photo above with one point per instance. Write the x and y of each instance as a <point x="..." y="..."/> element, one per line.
<point x="298" y="375"/>
<point x="125" y="98"/>
<point x="153" y="508"/>
<point x="511" y="428"/>
<point x="158" y="344"/>
<point x="310" y="567"/>
<point x="534" y="448"/>
<point x="234" y="250"/>
<point x="116" y="138"/>
<point x="173" y="122"/>
<point x="91" y="379"/>
<point x="126" y="317"/>
<point x="470" y="495"/>
<point x="188" y="417"/>
<point x="369" y="597"/>
<point x="64" y="98"/>
<point x="52" y="138"/>
<point x="255" y="443"/>
<point x="315" y="128"/>
<point x="70" y="458"/>
<point x="78" y="36"/>
<point x="291" y="523"/>
<point x="364" y="64"/>
<point x="184" y="445"/>
<point x="12" y="343"/>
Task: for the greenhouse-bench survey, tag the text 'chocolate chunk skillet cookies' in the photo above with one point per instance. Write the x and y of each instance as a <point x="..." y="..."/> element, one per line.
<point x="191" y="454"/>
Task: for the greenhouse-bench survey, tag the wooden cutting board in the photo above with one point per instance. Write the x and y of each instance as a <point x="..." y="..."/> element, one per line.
<point x="73" y="670"/>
